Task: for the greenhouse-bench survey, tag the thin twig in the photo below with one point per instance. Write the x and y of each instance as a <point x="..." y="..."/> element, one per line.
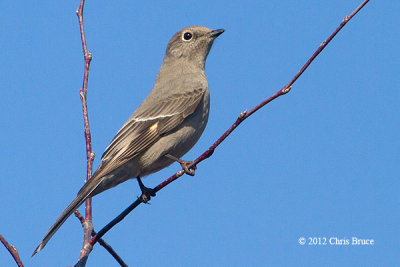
<point x="119" y="218"/>
<point x="110" y="250"/>
<point x="244" y="115"/>
<point x="102" y="242"/>
<point x="87" y="221"/>
<point x="13" y="251"/>
<point x="87" y="225"/>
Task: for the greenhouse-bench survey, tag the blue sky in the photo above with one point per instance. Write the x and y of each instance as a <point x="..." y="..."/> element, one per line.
<point x="322" y="161"/>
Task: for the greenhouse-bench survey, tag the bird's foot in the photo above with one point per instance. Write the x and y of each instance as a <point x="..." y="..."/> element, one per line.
<point x="147" y="193"/>
<point x="187" y="166"/>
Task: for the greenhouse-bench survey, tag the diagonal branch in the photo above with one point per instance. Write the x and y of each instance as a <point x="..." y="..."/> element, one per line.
<point x="244" y="115"/>
<point x="13" y="251"/>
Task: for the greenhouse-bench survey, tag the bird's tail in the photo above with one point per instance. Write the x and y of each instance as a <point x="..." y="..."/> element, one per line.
<point x="83" y="194"/>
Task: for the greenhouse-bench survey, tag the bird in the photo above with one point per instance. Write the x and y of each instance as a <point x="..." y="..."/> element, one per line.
<point x="165" y="126"/>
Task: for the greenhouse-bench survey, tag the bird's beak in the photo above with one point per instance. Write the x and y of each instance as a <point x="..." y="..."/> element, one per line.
<point x="214" y="34"/>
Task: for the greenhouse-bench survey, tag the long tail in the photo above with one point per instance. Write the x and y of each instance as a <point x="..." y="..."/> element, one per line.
<point x="83" y="194"/>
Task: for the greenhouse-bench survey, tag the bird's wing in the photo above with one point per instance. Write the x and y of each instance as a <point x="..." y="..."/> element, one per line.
<point x="147" y="126"/>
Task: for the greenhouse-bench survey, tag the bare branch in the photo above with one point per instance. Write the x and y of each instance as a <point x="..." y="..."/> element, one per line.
<point x="13" y="251"/>
<point x="110" y="250"/>
<point x="242" y="116"/>
<point x="102" y="242"/>
<point x="87" y="225"/>
<point x="87" y="221"/>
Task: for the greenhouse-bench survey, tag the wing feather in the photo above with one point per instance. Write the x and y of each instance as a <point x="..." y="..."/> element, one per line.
<point x="146" y="126"/>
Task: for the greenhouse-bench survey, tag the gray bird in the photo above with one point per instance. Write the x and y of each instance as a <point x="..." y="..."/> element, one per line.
<point x="164" y="127"/>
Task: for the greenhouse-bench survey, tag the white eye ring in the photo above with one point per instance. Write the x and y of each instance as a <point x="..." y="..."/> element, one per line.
<point x="187" y="36"/>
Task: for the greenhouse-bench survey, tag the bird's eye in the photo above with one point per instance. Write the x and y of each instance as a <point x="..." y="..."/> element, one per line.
<point x="187" y="36"/>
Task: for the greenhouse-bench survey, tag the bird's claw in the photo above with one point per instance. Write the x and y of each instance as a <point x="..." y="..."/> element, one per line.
<point x="188" y="168"/>
<point x="147" y="193"/>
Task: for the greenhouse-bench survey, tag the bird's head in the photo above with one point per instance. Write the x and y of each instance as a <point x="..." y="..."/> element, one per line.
<point x="192" y="44"/>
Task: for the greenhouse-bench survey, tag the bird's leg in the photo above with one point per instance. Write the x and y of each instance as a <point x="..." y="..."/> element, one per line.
<point x="147" y="193"/>
<point x="186" y="165"/>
